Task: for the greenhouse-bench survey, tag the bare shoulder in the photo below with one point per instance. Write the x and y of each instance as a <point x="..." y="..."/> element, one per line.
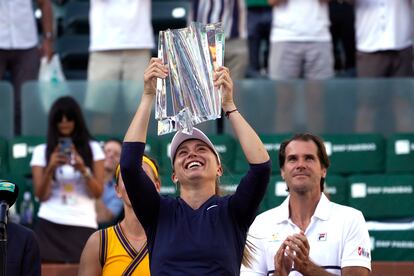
<point x="93" y="240"/>
<point x="89" y="262"/>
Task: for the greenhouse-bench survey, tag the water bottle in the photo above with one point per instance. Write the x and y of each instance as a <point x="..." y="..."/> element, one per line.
<point x="26" y="209"/>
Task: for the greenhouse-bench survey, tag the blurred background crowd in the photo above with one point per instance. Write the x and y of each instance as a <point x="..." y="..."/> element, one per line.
<point x="337" y="67"/>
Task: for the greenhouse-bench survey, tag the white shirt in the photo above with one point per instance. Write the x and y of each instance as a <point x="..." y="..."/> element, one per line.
<point x="383" y="24"/>
<point x="69" y="203"/>
<point x="120" y="24"/>
<point x="337" y="235"/>
<point x="17" y="25"/>
<point x="300" y="20"/>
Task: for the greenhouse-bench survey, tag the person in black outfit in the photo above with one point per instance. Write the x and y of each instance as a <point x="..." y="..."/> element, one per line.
<point x="23" y="255"/>
<point x="342" y="29"/>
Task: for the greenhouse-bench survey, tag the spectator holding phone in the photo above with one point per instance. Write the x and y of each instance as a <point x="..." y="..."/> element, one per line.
<point x="68" y="176"/>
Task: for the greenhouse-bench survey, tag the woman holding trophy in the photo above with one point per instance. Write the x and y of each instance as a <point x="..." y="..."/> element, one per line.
<point x="199" y="232"/>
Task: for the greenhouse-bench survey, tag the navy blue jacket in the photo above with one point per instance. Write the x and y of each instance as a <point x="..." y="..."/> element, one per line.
<point x="184" y="241"/>
<point x="23" y="255"/>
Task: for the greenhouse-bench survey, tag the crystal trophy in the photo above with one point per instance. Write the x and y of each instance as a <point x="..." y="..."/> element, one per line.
<point x="187" y="96"/>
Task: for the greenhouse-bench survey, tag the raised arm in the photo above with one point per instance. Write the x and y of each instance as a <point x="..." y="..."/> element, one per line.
<point x="250" y="142"/>
<point x="137" y="131"/>
<point x="141" y="191"/>
<point x="250" y="192"/>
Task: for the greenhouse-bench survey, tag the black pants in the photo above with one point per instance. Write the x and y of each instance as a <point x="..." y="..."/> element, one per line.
<point x="342" y="28"/>
<point x="23" y="65"/>
<point x="259" y="21"/>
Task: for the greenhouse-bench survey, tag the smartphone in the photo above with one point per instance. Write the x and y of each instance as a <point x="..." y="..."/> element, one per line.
<point x="65" y="145"/>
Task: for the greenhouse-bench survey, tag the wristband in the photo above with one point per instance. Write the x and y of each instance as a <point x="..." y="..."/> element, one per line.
<point x="227" y="114"/>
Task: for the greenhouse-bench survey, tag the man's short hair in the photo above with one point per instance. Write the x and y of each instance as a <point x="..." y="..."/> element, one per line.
<point x="305" y="137"/>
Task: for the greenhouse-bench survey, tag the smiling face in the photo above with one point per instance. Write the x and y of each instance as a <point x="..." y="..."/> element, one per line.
<point x="302" y="169"/>
<point x="195" y="161"/>
<point x="66" y="126"/>
<point x="112" y="150"/>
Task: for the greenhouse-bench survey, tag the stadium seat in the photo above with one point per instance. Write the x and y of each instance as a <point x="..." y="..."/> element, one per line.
<point x="4" y="160"/>
<point x="276" y="193"/>
<point x="392" y="245"/>
<point x="337" y="188"/>
<point x="355" y="153"/>
<point x="400" y="153"/>
<point x="76" y="17"/>
<point x="272" y="145"/>
<point x="74" y="54"/>
<point x="20" y="154"/>
<point x="382" y="197"/>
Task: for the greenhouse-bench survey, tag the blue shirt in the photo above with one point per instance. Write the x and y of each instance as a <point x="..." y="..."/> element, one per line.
<point x="184" y="241"/>
<point x="110" y="199"/>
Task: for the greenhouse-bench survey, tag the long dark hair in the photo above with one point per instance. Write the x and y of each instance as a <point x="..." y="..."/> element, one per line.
<point x="68" y="107"/>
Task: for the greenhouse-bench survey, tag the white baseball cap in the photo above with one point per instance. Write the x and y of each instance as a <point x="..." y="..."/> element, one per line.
<point x="180" y="137"/>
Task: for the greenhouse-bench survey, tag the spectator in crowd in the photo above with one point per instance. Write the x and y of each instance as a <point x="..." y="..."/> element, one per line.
<point x="301" y="47"/>
<point x="259" y="20"/>
<point x="342" y="28"/>
<point x="120" y="249"/>
<point x="23" y="256"/>
<point x="109" y="206"/>
<point x="199" y="232"/>
<point x="307" y="234"/>
<point x="68" y="176"/>
<point x="300" y="40"/>
<point x="384" y="38"/>
<point x="121" y="40"/>
<point x="232" y="13"/>
<point x="385" y="49"/>
<point x="19" y="52"/>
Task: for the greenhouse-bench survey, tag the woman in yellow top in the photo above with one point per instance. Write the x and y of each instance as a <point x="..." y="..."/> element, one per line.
<point x="120" y="249"/>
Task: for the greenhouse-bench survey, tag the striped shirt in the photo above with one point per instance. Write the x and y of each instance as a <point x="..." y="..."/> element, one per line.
<point x="232" y="14"/>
